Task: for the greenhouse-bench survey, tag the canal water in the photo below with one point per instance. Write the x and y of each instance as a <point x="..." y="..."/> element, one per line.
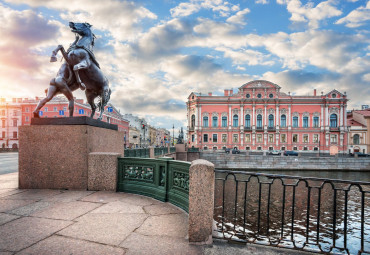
<point x="313" y="215"/>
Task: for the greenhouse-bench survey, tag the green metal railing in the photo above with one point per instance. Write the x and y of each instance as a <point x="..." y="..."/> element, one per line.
<point x="163" y="179"/>
<point x="137" y="153"/>
<point x="193" y="149"/>
<point x="160" y="151"/>
<point x="172" y="149"/>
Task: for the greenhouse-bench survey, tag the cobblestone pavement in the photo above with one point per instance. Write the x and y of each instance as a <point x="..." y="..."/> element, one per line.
<point x="85" y="222"/>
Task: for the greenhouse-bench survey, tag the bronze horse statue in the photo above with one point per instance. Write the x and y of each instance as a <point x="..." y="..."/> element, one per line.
<point x="86" y="73"/>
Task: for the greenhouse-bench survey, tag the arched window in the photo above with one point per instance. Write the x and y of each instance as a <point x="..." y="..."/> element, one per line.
<point x="305" y="122"/>
<point x="205" y="121"/>
<point x="15" y="146"/>
<point x="247" y="121"/>
<point x="283" y="120"/>
<point x="214" y="121"/>
<point x="295" y="121"/>
<point x="271" y="120"/>
<point x="259" y="121"/>
<point x="235" y="120"/>
<point x="192" y="120"/>
<point x="224" y="121"/>
<point x="333" y="120"/>
<point x="356" y="139"/>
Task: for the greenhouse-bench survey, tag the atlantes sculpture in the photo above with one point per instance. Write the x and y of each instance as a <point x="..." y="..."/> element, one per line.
<point x="79" y="70"/>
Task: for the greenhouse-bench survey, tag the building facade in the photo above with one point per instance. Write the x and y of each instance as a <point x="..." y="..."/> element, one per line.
<point x="260" y="117"/>
<point x="57" y="107"/>
<point x="358" y="136"/>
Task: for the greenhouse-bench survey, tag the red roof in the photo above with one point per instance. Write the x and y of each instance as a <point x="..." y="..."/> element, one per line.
<point x="352" y="122"/>
<point x="363" y="112"/>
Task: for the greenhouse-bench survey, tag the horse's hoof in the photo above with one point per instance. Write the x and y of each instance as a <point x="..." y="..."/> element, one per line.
<point x="53" y="59"/>
<point x="82" y="86"/>
<point x="36" y="115"/>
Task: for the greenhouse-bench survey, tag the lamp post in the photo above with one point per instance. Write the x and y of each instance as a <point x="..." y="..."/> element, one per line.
<point x="173" y="134"/>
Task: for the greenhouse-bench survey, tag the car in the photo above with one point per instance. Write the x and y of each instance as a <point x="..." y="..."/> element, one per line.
<point x="227" y="150"/>
<point x="275" y="152"/>
<point x="360" y="154"/>
<point x="290" y="153"/>
<point x="235" y="151"/>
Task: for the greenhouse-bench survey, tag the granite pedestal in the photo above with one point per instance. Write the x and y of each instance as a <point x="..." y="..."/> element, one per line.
<point x="53" y="153"/>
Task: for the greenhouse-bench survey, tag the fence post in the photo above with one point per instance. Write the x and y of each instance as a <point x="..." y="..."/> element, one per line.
<point x="201" y="201"/>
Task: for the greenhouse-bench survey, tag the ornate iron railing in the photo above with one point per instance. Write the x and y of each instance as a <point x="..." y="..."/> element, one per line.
<point x="193" y="149"/>
<point x="163" y="179"/>
<point x="172" y="149"/>
<point x="160" y="151"/>
<point x="311" y="214"/>
<point x="137" y="153"/>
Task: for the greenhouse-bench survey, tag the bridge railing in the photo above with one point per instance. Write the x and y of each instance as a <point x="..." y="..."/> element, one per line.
<point x="137" y="153"/>
<point x="310" y="214"/>
<point x="163" y="179"/>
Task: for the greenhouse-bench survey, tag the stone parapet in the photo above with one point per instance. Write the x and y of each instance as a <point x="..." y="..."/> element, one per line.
<point x="102" y="171"/>
<point x="201" y="201"/>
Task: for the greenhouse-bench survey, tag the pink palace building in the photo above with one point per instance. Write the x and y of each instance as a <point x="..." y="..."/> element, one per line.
<point x="259" y="117"/>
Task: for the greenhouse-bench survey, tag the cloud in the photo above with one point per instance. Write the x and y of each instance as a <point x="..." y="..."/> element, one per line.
<point x="239" y="17"/>
<point x="356" y="18"/>
<point x="262" y="1"/>
<point x="222" y="8"/>
<point x="310" y="14"/>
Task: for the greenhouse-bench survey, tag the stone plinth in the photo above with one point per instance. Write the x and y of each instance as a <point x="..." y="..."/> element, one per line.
<point x="180" y="147"/>
<point x="201" y="201"/>
<point x="56" y="156"/>
<point x="102" y="171"/>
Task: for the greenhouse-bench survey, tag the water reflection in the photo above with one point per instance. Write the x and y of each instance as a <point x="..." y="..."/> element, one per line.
<point x="297" y="213"/>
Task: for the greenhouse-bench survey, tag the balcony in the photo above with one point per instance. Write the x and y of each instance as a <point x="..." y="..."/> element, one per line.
<point x="334" y="129"/>
<point x="247" y="128"/>
<point x="259" y="129"/>
<point x="191" y="128"/>
<point x="271" y="129"/>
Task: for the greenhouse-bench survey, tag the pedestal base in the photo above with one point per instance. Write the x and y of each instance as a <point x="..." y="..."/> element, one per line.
<point x="55" y="156"/>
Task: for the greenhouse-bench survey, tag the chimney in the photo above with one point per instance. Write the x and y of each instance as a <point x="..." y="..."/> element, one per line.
<point x="231" y="92"/>
<point x="210" y="94"/>
<point x="314" y="92"/>
<point x="226" y="92"/>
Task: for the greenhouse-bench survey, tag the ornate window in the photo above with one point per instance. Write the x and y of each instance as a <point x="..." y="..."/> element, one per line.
<point x="247" y="121"/>
<point x="356" y="139"/>
<point x="295" y="121"/>
<point x="271" y="138"/>
<point x="333" y="138"/>
<point x="205" y="121"/>
<point x="315" y="138"/>
<point x="192" y="120"/>
<point x="271" y="120"/>
<point x="305" y="122"/>
<point x="247" y="138"/>
<point x="235" y="138"/>
<point x="214" y="138"/>
<point x="305" y="138"/>
<point x="224" y="121"/>
<point x="247" y="95"/>
<point x="295" y="138"/>
<point x="205" y="138"/>
<point x="333" y="120"/>
<point x="283" y="120"/>
<point x="316" y="122"/>
<point x="259" y="95"/>
<point x="271" y="95"/>
<point x="235" y="120"/>
<point x="259" y="121"/>
<point x="259" y="138"/>
<point x="224" y="138"/>
<point x="283" y="138"/>
<point x="214" y="121"/>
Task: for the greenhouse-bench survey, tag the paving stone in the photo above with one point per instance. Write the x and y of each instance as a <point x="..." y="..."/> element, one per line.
<point x="175" y="225"/>
<point x="66" y="211"/>
<point x="70" y="195"/>
<point x="163" y="208"/>
<point x="8" y="192"/>
<point x="104" y="197"/>
<point x="104" y="228"/>
<point x="139" y="200"/>
<point x="10" y="204"/>
<point x="59" y="245"/>
<point x="35" y="194"/>
<point x="9" y="181"/>
<point x="6" y="253"/>
<point x="157" y="245"/>
<point x="4" y="218"/>
<point x="30" y="209"/>
<point x="119" y="207"/>
<point x="22" y="233"/>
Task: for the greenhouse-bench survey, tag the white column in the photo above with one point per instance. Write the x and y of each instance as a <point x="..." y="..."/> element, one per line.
<point x="241" y="116"/>
<point x="230" y="117"/>
<point x="341" y="116"/>
<point x="200" y="116"/>
<point x="326" y="115"/>
<point x="253" y="115"/>
<point x="322" y="116"/>
<point x="196" y="117"/>
<point x="345" y="117"/>
<point x="265" y="124"/>
<point x="277" y="116"/>
<point x="289" y="115"/>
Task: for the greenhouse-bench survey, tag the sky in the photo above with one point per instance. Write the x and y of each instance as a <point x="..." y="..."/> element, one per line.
<point x="155" y="53"/>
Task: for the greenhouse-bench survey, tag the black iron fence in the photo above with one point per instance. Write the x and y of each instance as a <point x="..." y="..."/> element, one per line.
<point x="310" y="214"/>
<point x="137" y="153"/>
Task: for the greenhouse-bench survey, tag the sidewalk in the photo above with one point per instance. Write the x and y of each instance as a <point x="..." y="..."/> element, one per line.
<point x="85" y="222"/>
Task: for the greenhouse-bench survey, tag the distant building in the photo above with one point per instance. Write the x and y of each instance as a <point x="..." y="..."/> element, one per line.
<point x="359" y="136"/>
<point x="364" y="106"/>
<point x="57" y="107"/>
<point x="260" y="117"/>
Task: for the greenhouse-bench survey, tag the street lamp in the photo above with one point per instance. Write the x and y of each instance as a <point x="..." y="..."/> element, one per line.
<point x="173" y="134"/>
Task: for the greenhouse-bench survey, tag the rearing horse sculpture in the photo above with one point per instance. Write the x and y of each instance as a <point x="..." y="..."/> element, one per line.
<point x="86" y="73"/>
